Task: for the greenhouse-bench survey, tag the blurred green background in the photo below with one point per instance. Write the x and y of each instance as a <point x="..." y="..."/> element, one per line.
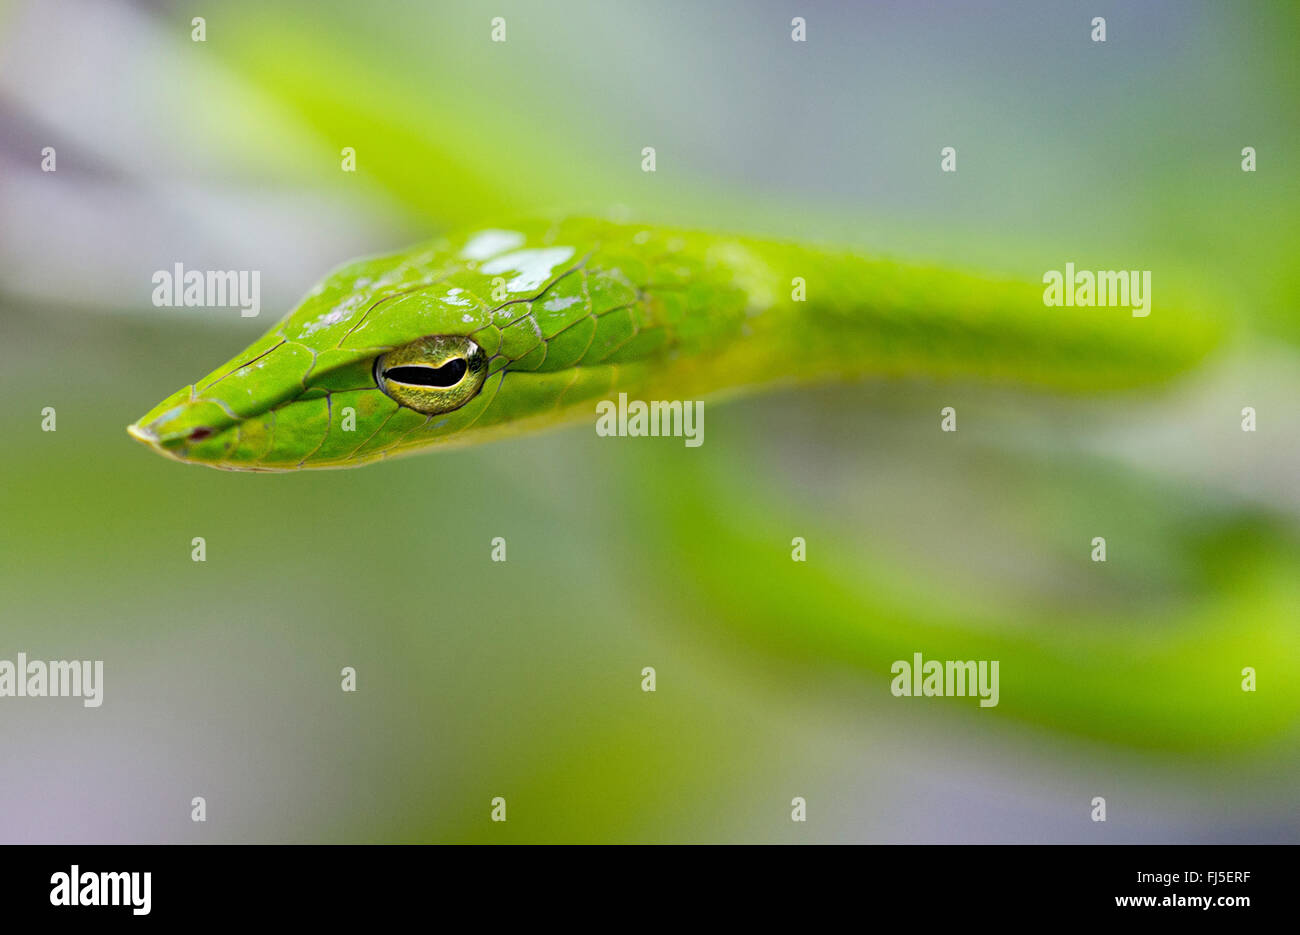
<point x="478" y="679"/>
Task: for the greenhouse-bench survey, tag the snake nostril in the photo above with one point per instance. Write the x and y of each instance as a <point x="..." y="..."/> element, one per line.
<point x="199" y="434"/>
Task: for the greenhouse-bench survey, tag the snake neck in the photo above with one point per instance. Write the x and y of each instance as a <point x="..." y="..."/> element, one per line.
<point x="801" y="313"/>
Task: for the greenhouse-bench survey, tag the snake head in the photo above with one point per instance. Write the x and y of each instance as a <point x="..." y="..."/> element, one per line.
<point x="449" y="343"/>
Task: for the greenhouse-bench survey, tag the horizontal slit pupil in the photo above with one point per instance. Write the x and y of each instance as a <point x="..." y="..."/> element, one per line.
<point x="447" y="375"/>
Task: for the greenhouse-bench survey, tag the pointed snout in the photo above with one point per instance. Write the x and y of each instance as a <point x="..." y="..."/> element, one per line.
<point x="141" y="434"/>
<point x="177" y="426"/>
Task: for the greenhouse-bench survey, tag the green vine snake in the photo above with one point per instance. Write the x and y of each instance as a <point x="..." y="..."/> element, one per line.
<point x="495" y="332"/>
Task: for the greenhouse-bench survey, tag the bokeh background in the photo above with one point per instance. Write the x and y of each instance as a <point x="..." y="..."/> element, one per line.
<point x="522" y="679"/>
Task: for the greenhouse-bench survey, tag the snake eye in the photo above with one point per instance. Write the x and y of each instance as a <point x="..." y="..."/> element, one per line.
<point x="433" y="374"/>
<point x="446" y="376"/>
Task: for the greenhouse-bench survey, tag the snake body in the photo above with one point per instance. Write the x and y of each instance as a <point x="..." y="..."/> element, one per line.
<point x="494" y="332"/>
